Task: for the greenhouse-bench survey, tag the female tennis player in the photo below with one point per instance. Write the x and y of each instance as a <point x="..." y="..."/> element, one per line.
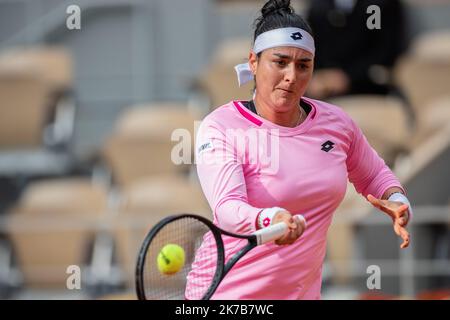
<point x="279" y="155"/>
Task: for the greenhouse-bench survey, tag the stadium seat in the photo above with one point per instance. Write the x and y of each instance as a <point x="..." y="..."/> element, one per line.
<point x="38" y="112"/>
<point x="436" y="146"/>
<point x="24" y="109"/>
<point x="437" y="115"/>
<point x="52" y="226"/>
<point x="141" y="144"/>
<point x="383" y="121"/>
<point x="53" y="64"/>
<point x="433" y="45"/>
<point x="424" y="73"/>
<point x="219" y="80"/>
<point x="144" y="204"/>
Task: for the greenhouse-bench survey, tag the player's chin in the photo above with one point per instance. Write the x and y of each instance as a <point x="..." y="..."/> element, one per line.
<point x="284" y="103"/>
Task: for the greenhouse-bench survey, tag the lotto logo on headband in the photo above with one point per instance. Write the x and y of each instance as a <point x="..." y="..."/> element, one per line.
<point x="296" y="36"/>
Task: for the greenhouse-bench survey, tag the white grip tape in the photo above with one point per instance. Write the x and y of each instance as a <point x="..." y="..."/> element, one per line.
<point x="270" y="233"/>
<point x="276" y="231"/>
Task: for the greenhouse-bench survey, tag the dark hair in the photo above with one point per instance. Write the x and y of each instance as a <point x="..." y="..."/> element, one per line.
<point x="277" y="14"/>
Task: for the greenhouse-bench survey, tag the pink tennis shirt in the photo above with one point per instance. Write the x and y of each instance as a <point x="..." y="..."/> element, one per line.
<point x="246" y="164"/>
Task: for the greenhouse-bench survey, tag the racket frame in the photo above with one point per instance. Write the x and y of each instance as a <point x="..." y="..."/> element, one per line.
<point x="140" y="264"/>
<point x="222" y="268"/>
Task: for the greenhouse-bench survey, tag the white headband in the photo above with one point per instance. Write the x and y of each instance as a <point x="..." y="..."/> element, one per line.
<point x="282" y="37"/>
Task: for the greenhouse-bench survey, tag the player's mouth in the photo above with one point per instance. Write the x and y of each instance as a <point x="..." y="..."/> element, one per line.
<point x="286" y="90"/>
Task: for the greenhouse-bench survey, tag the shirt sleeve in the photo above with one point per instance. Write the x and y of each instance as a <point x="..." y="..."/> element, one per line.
<point x="222" y="179"/>
<point x="366" y="169"/>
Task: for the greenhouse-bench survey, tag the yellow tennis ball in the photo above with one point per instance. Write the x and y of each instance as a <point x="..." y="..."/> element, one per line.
<point x="170" y="259"/>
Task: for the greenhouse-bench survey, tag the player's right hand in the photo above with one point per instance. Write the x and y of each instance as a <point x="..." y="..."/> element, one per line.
<point x="296" y="227"/>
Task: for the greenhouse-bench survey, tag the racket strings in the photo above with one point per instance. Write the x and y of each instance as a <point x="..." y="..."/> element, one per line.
<point x="190" y="234"/>
<point x="204" y="268"/>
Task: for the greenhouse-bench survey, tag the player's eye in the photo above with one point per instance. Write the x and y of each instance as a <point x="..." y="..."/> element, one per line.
<point x="303" y="66"/>
<point x="281" y="63"/>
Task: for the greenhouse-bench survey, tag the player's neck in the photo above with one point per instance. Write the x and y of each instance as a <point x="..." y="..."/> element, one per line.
<point x="291" y="118"/>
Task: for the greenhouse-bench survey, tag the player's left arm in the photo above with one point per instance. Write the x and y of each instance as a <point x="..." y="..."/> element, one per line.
<point x="375" y="181"/>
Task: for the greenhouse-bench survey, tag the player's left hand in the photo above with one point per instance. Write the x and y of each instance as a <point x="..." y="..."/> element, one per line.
<point x="398" y="212"/>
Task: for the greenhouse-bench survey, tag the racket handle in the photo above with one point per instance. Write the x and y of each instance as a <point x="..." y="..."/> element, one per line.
<point x="270" y="233"/>
<point x="276" y="231"/>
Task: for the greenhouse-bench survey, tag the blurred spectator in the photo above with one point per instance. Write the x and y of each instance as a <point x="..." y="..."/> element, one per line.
<point x="350" y="57"/>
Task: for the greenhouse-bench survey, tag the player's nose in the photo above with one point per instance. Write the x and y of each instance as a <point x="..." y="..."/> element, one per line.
<point x="290" y="75"/>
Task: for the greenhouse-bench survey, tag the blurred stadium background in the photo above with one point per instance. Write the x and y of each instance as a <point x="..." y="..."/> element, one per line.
<point x="85" y="144"/>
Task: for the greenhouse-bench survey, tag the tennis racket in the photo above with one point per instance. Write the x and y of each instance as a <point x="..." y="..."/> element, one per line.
<point x="197" y="240"/>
